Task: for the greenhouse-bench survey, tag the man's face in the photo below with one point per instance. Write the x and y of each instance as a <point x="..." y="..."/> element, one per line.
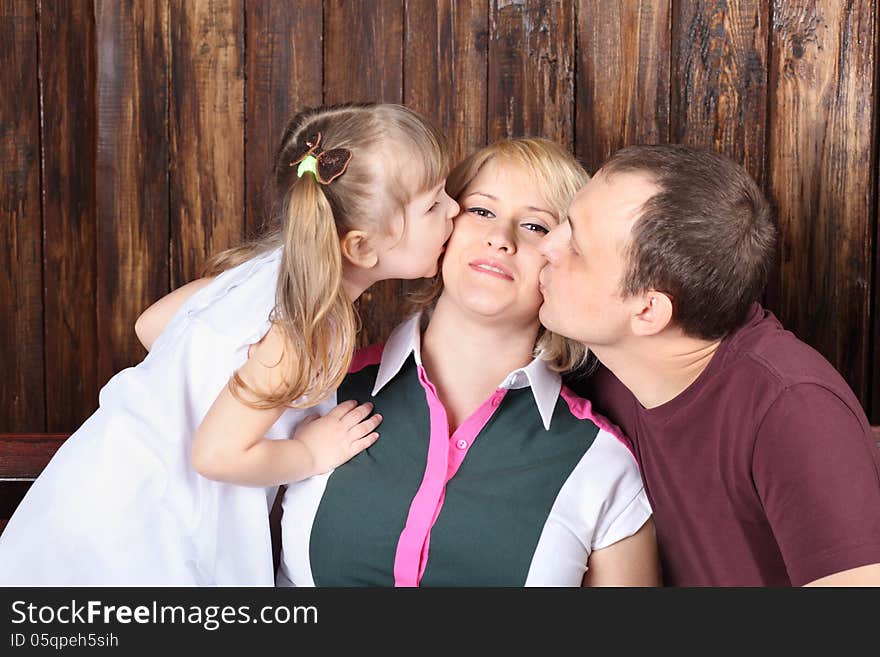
<point x="586" y="261"/>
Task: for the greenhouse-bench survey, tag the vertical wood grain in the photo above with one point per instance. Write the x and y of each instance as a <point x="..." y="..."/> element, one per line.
<point x="132" y="153"/>
<point x="363" y="51"/>
<point x="94" y="188"/>
<point x="363" y="61"/>
<point x="22" y="396"/>
<point x="874" y="364"/>
<point x="622" y="77"/>
<point x="719" y="96"/>
<point x="284" y="75"/>
<point x="821" y="110"/>
<point x="68" y="85"/>
<point x="445" y="61"/>
<point x="531" y="70"/>
<point x="206" y="125"/>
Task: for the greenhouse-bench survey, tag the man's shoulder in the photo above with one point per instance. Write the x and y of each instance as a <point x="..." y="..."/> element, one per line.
<point x="763" y="352"/>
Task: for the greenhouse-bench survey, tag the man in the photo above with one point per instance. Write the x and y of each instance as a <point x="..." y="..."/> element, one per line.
<point x="757" y="457"/>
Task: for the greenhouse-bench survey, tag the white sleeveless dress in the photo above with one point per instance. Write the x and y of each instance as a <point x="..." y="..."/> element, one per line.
<point x="120" y="503"/>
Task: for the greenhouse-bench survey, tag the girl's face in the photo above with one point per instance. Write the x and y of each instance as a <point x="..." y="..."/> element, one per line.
<point x="492" y="261"/>
<point x="426" y="227"/>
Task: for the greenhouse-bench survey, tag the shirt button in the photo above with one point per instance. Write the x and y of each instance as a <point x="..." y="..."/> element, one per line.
<point x="461" y="444"/>
<point x="496" y="402"/>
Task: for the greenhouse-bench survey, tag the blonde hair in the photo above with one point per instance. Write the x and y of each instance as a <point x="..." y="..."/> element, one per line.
<point x="311" y="307"/>
<point x="559" y="175"/>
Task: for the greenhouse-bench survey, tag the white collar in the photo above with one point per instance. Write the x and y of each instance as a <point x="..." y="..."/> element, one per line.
<point x="406" y="339"/>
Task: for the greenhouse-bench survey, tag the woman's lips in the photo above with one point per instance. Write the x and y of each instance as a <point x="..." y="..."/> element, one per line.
<point x="491" y="268"/>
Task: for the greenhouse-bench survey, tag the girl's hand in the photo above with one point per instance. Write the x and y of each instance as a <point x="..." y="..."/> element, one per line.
<point x="345" y="431"/>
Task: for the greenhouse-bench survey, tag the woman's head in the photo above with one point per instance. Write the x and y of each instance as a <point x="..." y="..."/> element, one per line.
<point x="511" y="194"/>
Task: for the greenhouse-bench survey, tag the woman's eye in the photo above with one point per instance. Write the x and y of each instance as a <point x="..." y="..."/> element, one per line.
<point x="537" y="228"/>
<point x="481" y="212"/>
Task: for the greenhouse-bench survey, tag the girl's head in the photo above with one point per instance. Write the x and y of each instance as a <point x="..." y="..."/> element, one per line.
<point x="386" y="216"/>
<point x="511" y="194"/>
<point x="389" y="210"/>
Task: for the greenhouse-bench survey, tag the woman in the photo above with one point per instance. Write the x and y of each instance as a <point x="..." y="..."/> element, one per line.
<point x="487" y="471"/>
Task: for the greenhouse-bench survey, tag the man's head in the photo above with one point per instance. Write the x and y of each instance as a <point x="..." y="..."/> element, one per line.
<point x="662" y="235"/>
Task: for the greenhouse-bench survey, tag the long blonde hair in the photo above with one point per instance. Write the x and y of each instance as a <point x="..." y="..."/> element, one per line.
<point x="560" y="176"/>
<point x="387" y="143"/>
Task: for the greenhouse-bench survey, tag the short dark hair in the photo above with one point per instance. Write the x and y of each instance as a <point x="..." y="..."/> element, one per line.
<point x="706" y="239"/>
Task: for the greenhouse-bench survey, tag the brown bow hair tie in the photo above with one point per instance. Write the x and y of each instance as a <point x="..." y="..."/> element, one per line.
<point x="326" y="166"/>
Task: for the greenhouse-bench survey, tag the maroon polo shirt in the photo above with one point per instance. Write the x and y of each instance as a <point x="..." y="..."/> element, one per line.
<point x="763" y="472"/>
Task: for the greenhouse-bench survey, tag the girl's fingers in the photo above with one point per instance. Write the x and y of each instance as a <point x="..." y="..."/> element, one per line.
<point x="359" y="445"/>
<point x="368" y="425"/>
<point x="341" y="410"/>
<point x="357" y="415"/>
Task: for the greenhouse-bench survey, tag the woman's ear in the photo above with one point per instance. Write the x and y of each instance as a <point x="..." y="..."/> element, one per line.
<point x="358" y="250"/>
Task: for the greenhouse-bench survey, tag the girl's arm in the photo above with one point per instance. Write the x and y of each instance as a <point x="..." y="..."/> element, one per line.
<point x="632" y="561"/>
<point x="155" y="318"/>
<point x="230" y="446"/>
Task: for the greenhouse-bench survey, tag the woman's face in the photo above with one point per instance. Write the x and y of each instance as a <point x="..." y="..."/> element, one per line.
<point x="492" y="261"/>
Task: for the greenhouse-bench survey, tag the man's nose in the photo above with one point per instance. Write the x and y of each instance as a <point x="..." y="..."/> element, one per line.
<point x="549" y="246"/>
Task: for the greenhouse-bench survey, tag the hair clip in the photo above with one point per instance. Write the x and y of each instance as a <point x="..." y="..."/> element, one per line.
<point x="326" y="166"/>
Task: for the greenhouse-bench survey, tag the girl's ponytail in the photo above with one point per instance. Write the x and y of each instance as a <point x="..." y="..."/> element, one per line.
<point x="316" y="317"/>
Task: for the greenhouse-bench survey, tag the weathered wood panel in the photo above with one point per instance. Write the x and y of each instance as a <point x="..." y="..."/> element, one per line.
<point x="284" y="75"/>
<point x="363" y="51"/>
<point x="622" y="77"/>
<point x="874" y="366"/>
<point x="531" y="70"/>
<point x="445" y="58"/>
<point x="874" y="338"/>
<point x="822" y="103"/>
<point x="719" y="99"/>
<point x="132" y="153"/>
<point x="68" y="70"/>
<point x="363" y="61"/>
<point x="22" y="396"/>
<point x="206" y="125"/>
<point x="785" y="87"/>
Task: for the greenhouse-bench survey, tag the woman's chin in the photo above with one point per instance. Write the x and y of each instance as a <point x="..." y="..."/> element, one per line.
<point x="489" y="306"/>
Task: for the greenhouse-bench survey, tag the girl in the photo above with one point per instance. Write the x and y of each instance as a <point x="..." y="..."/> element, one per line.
<point x="362" y="199"/>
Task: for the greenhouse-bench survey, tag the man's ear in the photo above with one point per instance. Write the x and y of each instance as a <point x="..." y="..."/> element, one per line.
<point x="653" y="313"/>
<point x="358" y="250"/>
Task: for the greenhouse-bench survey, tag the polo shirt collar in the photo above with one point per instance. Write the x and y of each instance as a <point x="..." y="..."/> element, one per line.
<point x="406" y="339"/>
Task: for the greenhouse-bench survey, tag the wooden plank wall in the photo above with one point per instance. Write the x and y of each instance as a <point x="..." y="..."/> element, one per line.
<point x="136" y="138"/>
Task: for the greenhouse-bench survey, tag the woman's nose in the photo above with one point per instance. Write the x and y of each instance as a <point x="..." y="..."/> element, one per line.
<point x="500" y="238"/>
